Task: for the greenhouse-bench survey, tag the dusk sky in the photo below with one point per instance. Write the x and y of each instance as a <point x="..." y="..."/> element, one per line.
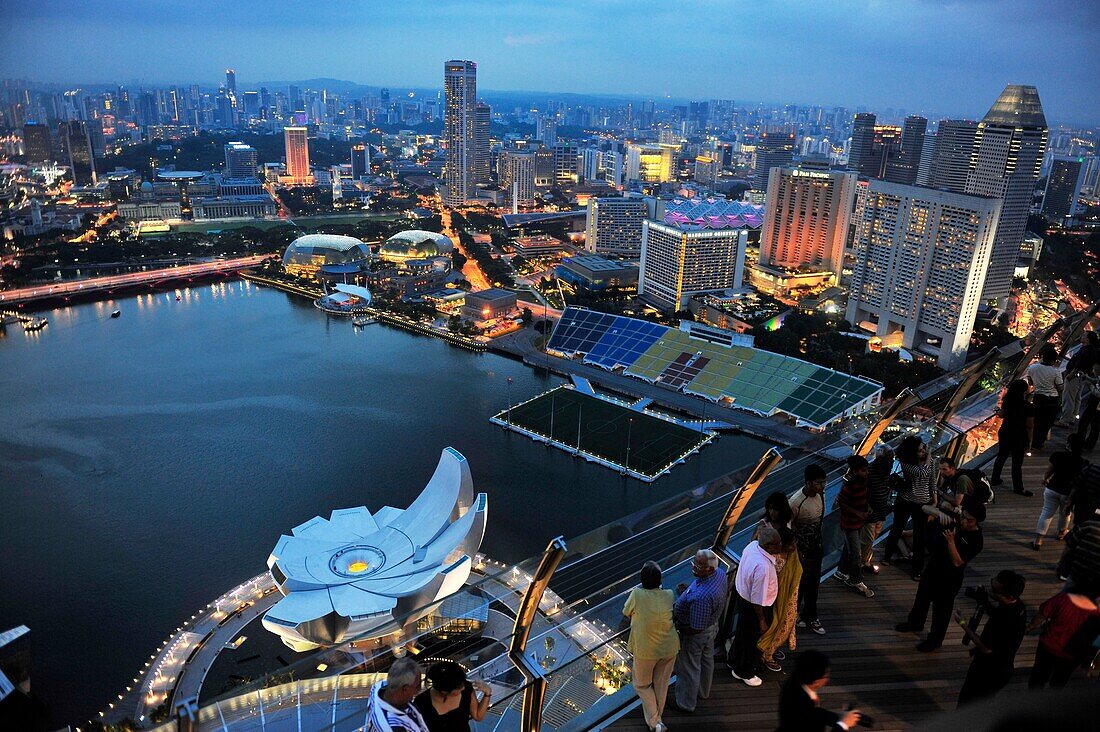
<point x="947" y="56"/>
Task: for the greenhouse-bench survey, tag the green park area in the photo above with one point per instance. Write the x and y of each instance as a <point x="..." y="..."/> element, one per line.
<point x="609" y="431"/>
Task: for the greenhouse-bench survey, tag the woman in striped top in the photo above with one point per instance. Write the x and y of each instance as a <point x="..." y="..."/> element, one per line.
<point x="913" y="481"/>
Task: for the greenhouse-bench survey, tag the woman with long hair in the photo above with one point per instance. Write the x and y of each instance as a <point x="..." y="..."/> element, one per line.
<point x="777" y="515"/>
<point x="914" y="486"/>
<point x="1012" y="436"/>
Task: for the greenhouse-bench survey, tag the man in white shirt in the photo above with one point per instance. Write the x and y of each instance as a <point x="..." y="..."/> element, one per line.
<point x="757" y="586"/>
<point x="1047" y="382"/>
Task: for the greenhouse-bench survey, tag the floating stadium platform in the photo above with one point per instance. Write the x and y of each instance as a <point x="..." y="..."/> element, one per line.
<point x="719" y="366"/>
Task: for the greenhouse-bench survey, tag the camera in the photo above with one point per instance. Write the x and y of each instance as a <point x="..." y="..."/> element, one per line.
<point x="978" y="594"/>
<point x="865" y="720"/>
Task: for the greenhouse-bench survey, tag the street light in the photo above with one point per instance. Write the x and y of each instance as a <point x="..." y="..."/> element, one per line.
<point x="509" y="400"/>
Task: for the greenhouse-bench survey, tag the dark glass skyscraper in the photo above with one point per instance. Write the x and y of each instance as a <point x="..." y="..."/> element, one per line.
<point x="863" y="140"/>
<point x="76" y="148"/>
<point x="903" y="167"/>
<point x="951" y="154"/>
<point x="36" y="143"/>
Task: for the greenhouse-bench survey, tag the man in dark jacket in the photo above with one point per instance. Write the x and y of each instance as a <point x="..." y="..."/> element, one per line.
<point x="953" y="548"/>
<point x="994" y="651"/>
<point x="798" y="703"/>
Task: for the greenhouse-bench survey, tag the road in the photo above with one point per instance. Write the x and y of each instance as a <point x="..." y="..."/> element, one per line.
<point x="94" y="284"/>
<point x="471" y="271"/>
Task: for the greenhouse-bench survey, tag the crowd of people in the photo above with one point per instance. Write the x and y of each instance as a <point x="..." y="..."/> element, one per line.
<point x="938" y="509"/>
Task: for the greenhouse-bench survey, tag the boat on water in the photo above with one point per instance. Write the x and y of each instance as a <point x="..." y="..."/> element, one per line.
<point x="35" y="324"/>
<point x="116" y="313"/>
<point x="361" y="321"/>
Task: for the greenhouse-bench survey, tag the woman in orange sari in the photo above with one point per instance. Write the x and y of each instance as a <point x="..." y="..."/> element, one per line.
<point x="777" y="514"/>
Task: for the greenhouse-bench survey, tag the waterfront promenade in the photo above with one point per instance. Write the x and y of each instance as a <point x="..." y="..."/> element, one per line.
<point x="878" y="669"/>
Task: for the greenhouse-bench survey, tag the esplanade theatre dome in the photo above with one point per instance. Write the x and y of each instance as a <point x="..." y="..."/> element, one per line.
<point x="415" y="244"/>
<point x="308" y="254"/>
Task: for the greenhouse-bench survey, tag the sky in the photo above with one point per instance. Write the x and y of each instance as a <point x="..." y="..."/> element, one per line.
<point x="947" y="56"/>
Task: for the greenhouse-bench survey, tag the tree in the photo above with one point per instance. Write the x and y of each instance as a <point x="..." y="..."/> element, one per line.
<point x="526" y="317"/>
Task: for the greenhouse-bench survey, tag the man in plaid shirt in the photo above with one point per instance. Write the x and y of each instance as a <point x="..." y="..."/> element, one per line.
<point x="696" y="613"/>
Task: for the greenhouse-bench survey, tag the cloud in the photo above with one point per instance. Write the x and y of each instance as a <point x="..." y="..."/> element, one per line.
<point x="525" y="39"/>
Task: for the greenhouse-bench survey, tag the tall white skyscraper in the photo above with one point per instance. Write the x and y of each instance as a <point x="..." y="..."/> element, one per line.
<point x="1008" y="151"/>
<point x="921" y="257"/>
<point x="517" y="176"/>
<point x="459" y="130"/>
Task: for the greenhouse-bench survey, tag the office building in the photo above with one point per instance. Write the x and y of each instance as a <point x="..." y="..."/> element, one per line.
<point x="593" y="273"/>
<point x="1063" y="187"/>
<point x="489" y="304"/>
<point x="227" y="207"/>
<point x="360" y="160"/>
<point x="76" y="148"/>
<point x="566" y="164"/>
<point x="37" y="147"/>
<point x="682" y="259"/>
<point x="1008" y="151"/>
<point x="920" y="261"/>
<point x="863" y="140"/>
<point x="806" y="219"/>
<point x="903" y="167"/>
<point x="950" y="162"/>
<point x="482" y="124"/>
<point x="459" y="130"/>
<point x="297" y="155"/>
<point x="614" y="226"/>
<point x="517" y="176"/>
<point x="591" y="164"/>
<point x="649" y="163"/>
<point x="231" y="84"/>
<point x="775" y="148"/>
<point x="241" y="160"/>
<point x="924" y="168"/>
<point x="546" y="131"/>
<point x="706" y="170"/>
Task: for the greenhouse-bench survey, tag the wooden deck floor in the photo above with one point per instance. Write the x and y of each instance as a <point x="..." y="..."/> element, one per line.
<point x="879" y="669"/>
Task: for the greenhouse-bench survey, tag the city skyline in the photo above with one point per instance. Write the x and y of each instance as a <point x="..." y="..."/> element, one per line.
<point x="993" y="43"/>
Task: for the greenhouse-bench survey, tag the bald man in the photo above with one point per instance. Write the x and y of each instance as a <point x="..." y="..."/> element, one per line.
<point x="696" y="613"/>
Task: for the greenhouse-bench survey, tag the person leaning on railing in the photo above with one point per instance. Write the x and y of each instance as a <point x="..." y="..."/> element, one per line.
<point x="1012" y="435"/>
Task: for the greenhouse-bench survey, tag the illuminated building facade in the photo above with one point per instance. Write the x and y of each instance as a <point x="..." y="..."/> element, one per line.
<point x="806" y="219"/>
<point x="680" y="260"/>
<point x="1008" y="152"/>
<point x="459" y="130"/>
<point x="614" y="226"/>
<point x="297" y="155"/>
<point x="650" y="163"/>
<point x="921" y="257"/>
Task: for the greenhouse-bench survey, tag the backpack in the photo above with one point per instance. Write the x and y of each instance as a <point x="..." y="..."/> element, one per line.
<point x="983" y="488"/>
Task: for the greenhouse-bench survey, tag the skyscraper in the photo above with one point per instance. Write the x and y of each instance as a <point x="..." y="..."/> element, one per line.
<point x="904" y="166"/>
<point x="360" y="164"/>
<point x="546" y="130"/>
<point x="76" y="149"/>
<point x="951" y="155"/>
<point x="775" y="148"/>
<point x="460" y="87"/>
<point x="1063" y="187"/>
<point x="241" y="160"/>
<point x="921" y="257"/>
<point x="231" y="86"/>
<point x="680" y="260"/>
<point x="614" y="225"/>
<point x="1008" y="152"/>
<point x="863" y="140"/>
<point x="517" y="176"/>
<point x="805" y="223"/>
<point x="297" y="155"/>
<point x="482" y="125"/>
<point x="649" y="163"/>
<point x="36" y="143"/>
<point x="924" y="168"/>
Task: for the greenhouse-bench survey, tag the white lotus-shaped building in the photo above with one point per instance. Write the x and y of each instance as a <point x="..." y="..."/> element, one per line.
<point x="355" y="576"/>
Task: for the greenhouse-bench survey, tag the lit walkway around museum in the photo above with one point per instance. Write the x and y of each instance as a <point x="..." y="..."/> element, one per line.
<point x="879" y="669"/>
